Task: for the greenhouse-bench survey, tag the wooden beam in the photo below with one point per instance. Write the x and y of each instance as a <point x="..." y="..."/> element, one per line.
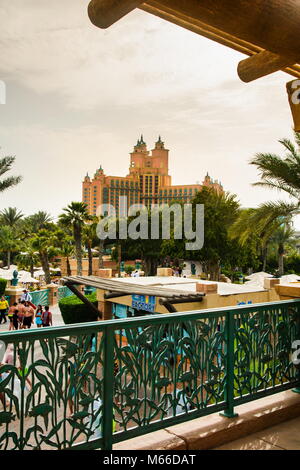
<point x="272" y="25"/>
<point x="177" y="12"/>
<point x="89" y="304"/>
<point x="262" y="64"/>
<point x="104" y="13"/>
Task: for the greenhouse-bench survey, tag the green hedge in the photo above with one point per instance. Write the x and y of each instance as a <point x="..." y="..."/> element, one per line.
<point x="3" y="283"/>
<point x="73" y="310"/>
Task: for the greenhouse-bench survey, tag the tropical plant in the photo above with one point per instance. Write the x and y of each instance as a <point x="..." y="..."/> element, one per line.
<point x="90" y="240"/>
<point x="8" y="242"/>
<point x="10" y="216"/>
<point x="44" y="243"/>
<point x="3" y="283"/>
<point x="281" y="238"/>
<point x="67" y="250"/>
<point x="28" y="259"/>
<point x="5" y="165"/>
<point x="39" y="220"/>
<point x="283" y="174"/>
<point x="247" y="233"/>
<point x="75" y="215"/>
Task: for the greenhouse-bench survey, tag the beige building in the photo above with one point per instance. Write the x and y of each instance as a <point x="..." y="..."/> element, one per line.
<point x="148" y="182"/>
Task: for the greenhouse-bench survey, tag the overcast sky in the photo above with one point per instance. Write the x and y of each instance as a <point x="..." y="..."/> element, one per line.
<point x="78" y="97"/>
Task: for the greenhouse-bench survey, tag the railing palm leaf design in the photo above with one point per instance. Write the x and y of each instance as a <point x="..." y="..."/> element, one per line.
<point x="89" y="385"/>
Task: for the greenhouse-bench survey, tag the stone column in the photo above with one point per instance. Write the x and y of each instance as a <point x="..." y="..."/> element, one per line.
<point x="53" y="298"/>
<point x="106" y="308"/>
<point x="14" y="292"/>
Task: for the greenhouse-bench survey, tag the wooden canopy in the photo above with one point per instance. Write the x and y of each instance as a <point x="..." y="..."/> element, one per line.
<point x="265" y="30"/>
<point x="113" y="286"/>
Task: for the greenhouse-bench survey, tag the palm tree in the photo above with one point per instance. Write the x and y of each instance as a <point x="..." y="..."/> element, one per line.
<point x="39" y="220"/>
<point x="283" y="174"/>
<point x="245" y="231"/>
<point x="75" y="215"/>
<point x="280" y="238"/>
<point x="89" y="236"/>
<point x="5" y="166"/>
<point x="8" y="242"/>
<point x="28" y="259"/>
<point x="66" y="248"/>
<point x="43" y="242"/>
<point x="10" y="216"/>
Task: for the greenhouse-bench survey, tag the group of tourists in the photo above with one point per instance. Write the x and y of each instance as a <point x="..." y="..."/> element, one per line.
<point x="23" y="314"/>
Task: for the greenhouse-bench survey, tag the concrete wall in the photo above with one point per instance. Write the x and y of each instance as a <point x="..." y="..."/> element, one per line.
<point x="208" y="302"/>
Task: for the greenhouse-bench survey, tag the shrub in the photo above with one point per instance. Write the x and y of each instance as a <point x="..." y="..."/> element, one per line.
<point x="3" y="283"/>
<point x="129" y="269"/>
<point x="73" y="310"/>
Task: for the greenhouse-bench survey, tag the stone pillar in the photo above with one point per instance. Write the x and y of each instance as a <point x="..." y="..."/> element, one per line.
<point x="53" y="298"/>
<point x="107" y="273"/>
<point x="270" y="282"/>
<point x="164" y="272"/>
<point x="14" y="292"/>
<point x="106" y="308"/>
<point x="207" y="288"/>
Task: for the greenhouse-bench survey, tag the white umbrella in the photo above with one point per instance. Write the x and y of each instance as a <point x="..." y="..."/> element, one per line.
<point x="39" y="273"/>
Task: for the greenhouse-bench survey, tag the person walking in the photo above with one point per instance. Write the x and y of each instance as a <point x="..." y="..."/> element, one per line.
<point x="3" y="309"/>
<point x="12" y="316"/>
<point x="15" y="320"/>
<point x="38" y="316"/>
<point x="21" y="313"/>
<point x="47" y="317"/>
<point x="26" y="296"/>
<point x="28" y="316"/>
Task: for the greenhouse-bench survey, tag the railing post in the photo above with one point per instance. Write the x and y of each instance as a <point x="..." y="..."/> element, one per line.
<point x="108" y="379"/>
<point x="229" y="385"/>
<point x="297" y="389"/>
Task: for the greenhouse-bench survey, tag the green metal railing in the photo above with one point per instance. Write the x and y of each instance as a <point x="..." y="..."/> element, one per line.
<point x="91" y="385"/>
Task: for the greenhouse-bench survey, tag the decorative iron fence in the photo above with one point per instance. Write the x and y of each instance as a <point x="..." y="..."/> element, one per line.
<point x="63" y="292"/>
<point x="91" y="385"/>
<point x="40" y="297"/>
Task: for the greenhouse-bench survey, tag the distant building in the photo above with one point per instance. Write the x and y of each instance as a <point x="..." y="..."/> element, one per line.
<point x="148" y="182"/>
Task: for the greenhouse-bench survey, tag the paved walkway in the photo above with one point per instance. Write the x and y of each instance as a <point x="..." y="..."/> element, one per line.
<point x="284" y="436"/>
<point x="56" y="318"/>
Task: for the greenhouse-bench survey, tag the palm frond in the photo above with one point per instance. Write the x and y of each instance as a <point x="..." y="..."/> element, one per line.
<point x="9" y="182"/>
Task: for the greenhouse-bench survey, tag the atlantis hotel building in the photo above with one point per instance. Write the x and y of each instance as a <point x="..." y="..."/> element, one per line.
<point x="148" y="182"/>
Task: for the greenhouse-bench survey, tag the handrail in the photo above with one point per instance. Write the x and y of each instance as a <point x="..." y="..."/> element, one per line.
<point x="123" y="378"/>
